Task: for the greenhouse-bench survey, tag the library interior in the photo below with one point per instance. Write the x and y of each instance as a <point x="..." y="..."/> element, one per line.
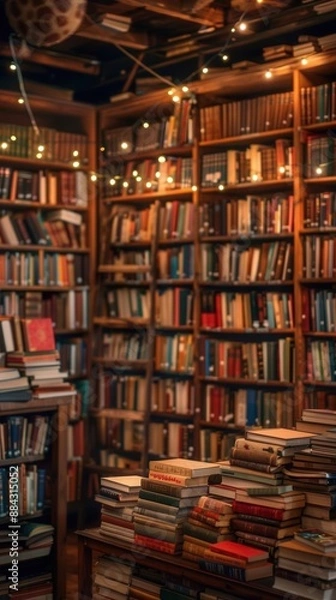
<point x="167" y="300"/>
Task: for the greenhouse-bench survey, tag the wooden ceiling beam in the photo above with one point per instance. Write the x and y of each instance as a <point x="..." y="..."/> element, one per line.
<point x="211" y="17"/>
<point x="138" y="41"/>
<point x="58" y="61"/>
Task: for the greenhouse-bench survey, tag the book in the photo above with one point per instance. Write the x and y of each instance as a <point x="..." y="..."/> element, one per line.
<point x="240" y="551"/>
<point x="318" y="539"/>
<point x="126" y="483"/>
<point x="275" y="490"/>
<point x="185" y="467"/>
<point x="175" y="479"/>
<point x="279" y="436"/>
<point x="38" y="334"/>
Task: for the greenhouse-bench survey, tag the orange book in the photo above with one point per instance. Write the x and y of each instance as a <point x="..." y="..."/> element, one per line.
<point x="38" y="334"/>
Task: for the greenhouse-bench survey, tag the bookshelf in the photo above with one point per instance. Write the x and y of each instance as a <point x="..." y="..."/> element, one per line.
<point x="246" y="334"/>
<point x="53" y="462"/>
<point x="47" y="220"/>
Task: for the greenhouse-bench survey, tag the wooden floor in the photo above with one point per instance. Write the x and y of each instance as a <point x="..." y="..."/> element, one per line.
<point x="71" y="564"/>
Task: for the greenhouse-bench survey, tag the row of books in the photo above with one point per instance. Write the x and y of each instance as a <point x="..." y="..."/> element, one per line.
<point x="250" y="215"/>
<point x="246" y="262"/>
<point x="242" y="117"/>
<point x="22" y="141"/>
<point x="318" y="103"/>
<point x="215" y="444"/>
<point x="127" y="303"/>
<point x="321" y="360"/>
<point x="318" y="399"/>
<point x="256" y="163"/>
<point x="62" y="228"/>
<point x="174" y="353"/>
<point x="120" y="438"/>
<point x="24" y="436"/>
<point x="176" y="263"/>
<point x="73" y="356"/>
<point x="124" y="346"/>
<point x="31" y="493"/>
<point x="44" y="187"/>
<point x="266" y="360"/>
<point x="319" y="210"/>
<point x="131" y="225"/>
<point x="253" y="310"/>
<point x="29" y="269"/>
<point x="319" y="256"/>
<point x="320" y="155"/>
<point x="168" y="131"/>
<point x="130" y="265"/>
<point x="318" y="310"/>
<point x="171" y="439"/>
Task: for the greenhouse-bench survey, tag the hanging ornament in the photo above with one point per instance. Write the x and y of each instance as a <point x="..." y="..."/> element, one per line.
<point x="45" y="22"/>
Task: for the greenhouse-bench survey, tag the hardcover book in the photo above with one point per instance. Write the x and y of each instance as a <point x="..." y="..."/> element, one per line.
<point x="38" y="334"/>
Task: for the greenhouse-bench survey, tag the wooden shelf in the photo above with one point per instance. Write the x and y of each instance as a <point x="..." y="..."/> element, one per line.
<point x="245" y="383"/>
<point x="252" y="186"/>
<point x="246" y="138"/>
<point x="150" y="196"/>
<point x="246" y="237"/>
<point x="248" y="331"/>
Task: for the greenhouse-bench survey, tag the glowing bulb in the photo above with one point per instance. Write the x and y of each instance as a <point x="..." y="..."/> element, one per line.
<point x="319" y="171"/>
<point x="145" y="125"/>
<point x="112" y="181"/>
<point x="148" y="184"/>
<point x="205" y="70"/>
<point x="39" y="155"/>
<point x="242" y="26"/>
<point x="138" y="178"/>
<point x="170" y="179"/>
<point x="221" y="187"/>
<point x="40" y="148"/>
<point x="282" y="170"/>
<point x="304" y="61"/>
<point x="125" y="184"/>
<point x="12" y="67"/>
<point x="185" y="89"/>
<point x="4" y="145"/>
<point x="124" y="145"/>
<point x="135" y="173"/>
<point x="13" y="138"/>
<point x="260" y="1"/>
<point x="233" y="29"/>
<point x="157" y="174"/>
<point x="268" y="74"/>
<point x="225" y="57"/>
<point x="76" y="164"/>
<point x="162" y="159"/>
<point x="21" y="101"/>
<point x="194" y="188"/>
<point x="75" y="153"/>
<point x="171" y="92"/>
<point x="102" y="149"/>
<point x="176" y="98"/>
<point x="255" y="177"/>
<point x="93" y="177"/>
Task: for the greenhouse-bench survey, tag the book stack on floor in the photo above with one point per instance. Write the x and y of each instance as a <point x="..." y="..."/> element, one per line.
<point x="237" y="561"/>
<point x="38" y="360"/>
<point x="267" y="511"/>
<point x="207" y="523"/>
<point x="118" y="496"/>
<point x="166" y="498"/>
<point x="307" y="565"/>
<point x="314" y="472"/>
<point x="111" y="578"/>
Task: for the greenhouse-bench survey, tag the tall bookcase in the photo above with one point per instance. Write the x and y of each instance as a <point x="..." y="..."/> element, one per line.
<point x="255" y="312"/>
<point x="47" y="225"/>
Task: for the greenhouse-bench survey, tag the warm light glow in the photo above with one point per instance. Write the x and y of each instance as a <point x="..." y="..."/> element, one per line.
<point x="148" y="184"/>
<point x="13" y="138"/>
<point x="171" y="92"/>
<point x="162" y="159"/>
<point x="102" y="148"/>
<point x="40" y="148"/>
<point x="260" y="1"/>
<point x="225" y="57"/>
<point x="319" y="170"/>
<point x="170" y="179"/>
<point x="112" y="181"/>
<point x="233" y="29"/>
<point x="124" y="145"/>
<point x="12" y="67"/>
<point x="282" y="170"/>
<point x="185" y="89"/>
<point x="304" y="61"/>
<point x="157" y="174"/>
<point x="255" y="177"/>
<point x="4" y="145"/>
<point x="76" y="164"/>
<point x="176" y="98"/>
<point x="39" y="155"/>
<point x="268" y="74"/>
<point x="93" y="177"/>
<point x="135" y="173"/>
<point x="221" y="187"/>
<point x="205" y="70"/>
<point x="21" y="101"/>
<point x="194" y="188"/>
<point x="145" y="125"/>
<point x="125" y="184"/>
<point x="242" y="26"/>
<point x="75" y="153"/>
<point x="138" y="178"/>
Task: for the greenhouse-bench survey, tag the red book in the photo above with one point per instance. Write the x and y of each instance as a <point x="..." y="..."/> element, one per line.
<point x="38" y="334"/>
<point x="240" y="551"/>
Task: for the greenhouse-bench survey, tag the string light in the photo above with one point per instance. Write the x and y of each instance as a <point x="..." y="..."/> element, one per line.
<point x="145" y="124"/>
<point x="304" y="61"/>
<point x="233" y="29"/>
<point x="225" y="57"/>
<point x="4" y="146"/>
<point x="205" y="70"/>
<point x="125" y="184"/>
<point x="194" y="188"/>
<point x="124" y="145"/>
<point x="162" y="159"/>
<point x="319" y="170"/>
<point x="21" y="101"/>
<point x="268" y="74"/>
<point x="171" y="92"/>
<point x="112" y="181"/>
<point x="76" y="164"/>
<point x="185" y="89"/>
<point x="40" y="148"/>
<point x="93" y="177"/>
<point x="148" y="184"/>
<point x="39" y="155"/>
<point x="12" y="66"/>
<point x="75" y="153"/>
<point x="176" y="98"/>
<point x="13" y="138"/>
<point x="242" y="26"/>
<point x="138" y="178"/>
<point x="135" y="173"/>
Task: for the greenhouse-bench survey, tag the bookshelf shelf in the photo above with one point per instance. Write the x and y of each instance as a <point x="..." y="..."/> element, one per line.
<point x="244" y="383"/>
<point x="120" y="322"/>
<point x="319" y="384"/>
<point x="22" y="459"/>
<point x="40" y="163"/>
<point x="320" y="334"/>
<point x="330" y="180"/>
<point x="229" y="427"/>
<point x="120" y="364"/>
<point x="246" y="285"/>
<point x="247" y="138"/>
<point x="149" y="196"/>
<point x="155" y="153"/>
<point x="247" y="331"/>
<point x="250" y="187"/>
<point x="115" y="413"/>
<point x="246" y="237"/>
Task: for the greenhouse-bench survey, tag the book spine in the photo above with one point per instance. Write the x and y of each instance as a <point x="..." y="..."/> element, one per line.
<point x="169" y="478"/>
<point x="161" y="487"/>
<point x="154" y="544"/>
<point x="258" y="510"/>
<point x="221" y="569"/>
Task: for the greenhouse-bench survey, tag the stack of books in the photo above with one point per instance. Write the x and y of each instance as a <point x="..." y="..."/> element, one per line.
<point x="207" y="523"/>
<point x="118" y="496"/>
<point x="265" y="510"/>
<point x="237" y="561"/>
<point x="277" y="52"/>
<point x="307" y="566"/>
<point x="34" y="541"/>
<point x="166" y="498"/>
<point x="14" y="387"/>
<point x="38" y="360"/>
<point x="111" y="578"/>
<point x="314" y="473"/>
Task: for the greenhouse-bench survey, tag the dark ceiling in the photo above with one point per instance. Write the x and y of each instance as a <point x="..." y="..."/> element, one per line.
<point x="175" y="38"/>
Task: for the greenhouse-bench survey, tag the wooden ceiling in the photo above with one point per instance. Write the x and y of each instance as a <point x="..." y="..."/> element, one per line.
<point x="172" y="37"/>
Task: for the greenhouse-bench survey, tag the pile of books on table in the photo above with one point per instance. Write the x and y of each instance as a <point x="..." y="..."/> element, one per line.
<point x="118" y="496"/>
<point x="237" y="561"/>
